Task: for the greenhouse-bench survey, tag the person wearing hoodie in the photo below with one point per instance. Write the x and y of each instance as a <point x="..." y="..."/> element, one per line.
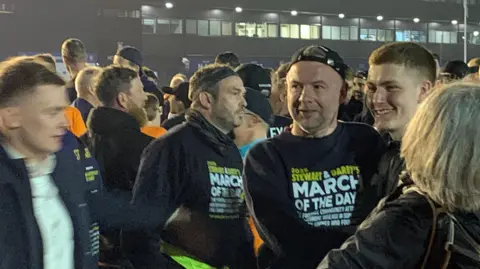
<point x="195" y="173"/>
<point x="116" y="139"/>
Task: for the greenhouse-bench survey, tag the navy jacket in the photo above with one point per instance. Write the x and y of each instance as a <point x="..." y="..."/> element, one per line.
<point x="77" y="178"/>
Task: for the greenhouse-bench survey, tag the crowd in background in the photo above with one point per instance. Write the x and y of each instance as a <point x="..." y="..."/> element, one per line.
<point x="310" y="165"/>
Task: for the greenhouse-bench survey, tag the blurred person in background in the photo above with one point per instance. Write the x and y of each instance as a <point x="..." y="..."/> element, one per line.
<point x="257" y="78"/>
<point x="174" y="82"/>
<point x="131" y="57"/>
<point x="452" y="71"/>
<point x="433" y="220"/>
<point x="279" y="91"/>
<point x="154" y="111"/>
<point x="474" y="70"/>
<point x="74" y="55"/>
<point x="228" y="58"/>
<point x="150" y="74"/>
<point x="74" y="116"/>
<point x="355" y="104"/>
<point x="179" y="103"/>
<point x="84" y="84"/>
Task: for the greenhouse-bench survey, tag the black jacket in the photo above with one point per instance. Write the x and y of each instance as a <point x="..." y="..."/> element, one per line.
<point x="117" y="143"/>
<point x="390" y="167"/>
<point x="172" y="122"/>
<point x="79" y="184"/>
<point x="195" y="171"/>
<point x="396" y="235"/>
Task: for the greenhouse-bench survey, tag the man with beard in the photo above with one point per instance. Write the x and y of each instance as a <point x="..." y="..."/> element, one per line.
<point x="116" y="140"/>
<point x="194" y="173"/>
<point x="309" y="188"/>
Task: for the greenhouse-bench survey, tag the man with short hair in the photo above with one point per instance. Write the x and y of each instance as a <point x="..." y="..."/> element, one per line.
<point x="84" y="85"/>
<point x="74" y="55"/>
<point x="401" y="75"/>
<point x="153" y="109"/>
<point x="194" y="173"/>
<point x="257" y="78"/>
<point x="114" y="127"/>
<point x="51" y="194"/>
<point x="309" y="188"/>
<point x="228" y="58"/>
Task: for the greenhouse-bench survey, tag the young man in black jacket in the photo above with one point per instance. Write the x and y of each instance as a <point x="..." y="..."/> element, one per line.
<point x="401" y="75"/>
<point x="308" y="189"/>
<point x="51" y="202"/>
<point x="194" y="173"/>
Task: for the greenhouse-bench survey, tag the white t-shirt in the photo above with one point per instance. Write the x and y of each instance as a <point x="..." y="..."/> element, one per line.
<point x="52" y="216"/>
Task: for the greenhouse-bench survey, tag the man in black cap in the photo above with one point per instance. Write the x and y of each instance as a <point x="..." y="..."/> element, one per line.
<point x="309" y="188"/>
<point x="130" y="57"/>
<point x="258" y="117"/>
<point x="453" y="71"/>
<point x="179" y="103"/>
<point x="257" y="78"/>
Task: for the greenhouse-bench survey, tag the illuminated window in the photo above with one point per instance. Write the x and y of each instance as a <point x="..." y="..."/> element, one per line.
<point x="148" y="26"/>
<point x="176" y="26"/>
<point x="191" y="27"/>
<point x="215" y="28"/>
<point x="226" y="28"/>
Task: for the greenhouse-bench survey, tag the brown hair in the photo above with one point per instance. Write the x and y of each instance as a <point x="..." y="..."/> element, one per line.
<point x="20" y="76"/>
<point x="74" y="50"/>
<point x="48" y="59"/>
<point x="474" y="62"/>
<point x="111" y="81"/>
<point x="408" y="54"/>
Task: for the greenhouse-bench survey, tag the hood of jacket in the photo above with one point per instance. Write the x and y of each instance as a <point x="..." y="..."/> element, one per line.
<point x="104" y="120"/>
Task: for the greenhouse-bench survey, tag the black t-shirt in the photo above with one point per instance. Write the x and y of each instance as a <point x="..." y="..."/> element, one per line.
<point x="184" y="173"/>
<point x="279" y="125"/>
<point x="309" y="194"/>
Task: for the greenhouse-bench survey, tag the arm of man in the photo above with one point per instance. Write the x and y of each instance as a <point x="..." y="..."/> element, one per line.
<point x="160" y="184"/>
<point x="395" y="237"/>
<point x="269" y="201"/>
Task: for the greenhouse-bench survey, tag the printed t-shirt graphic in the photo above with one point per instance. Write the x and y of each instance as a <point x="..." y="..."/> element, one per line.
<point x="326" y="197"/>
<point x="226" y="195"/>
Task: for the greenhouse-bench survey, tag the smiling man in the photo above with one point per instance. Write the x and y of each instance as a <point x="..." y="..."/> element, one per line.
<point x="400" y="77"/>
<point x="308" y="189"/>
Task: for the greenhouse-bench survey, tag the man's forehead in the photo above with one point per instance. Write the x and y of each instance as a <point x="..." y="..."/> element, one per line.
<point x="46" y="94"/>
<point x="388" y="72"/>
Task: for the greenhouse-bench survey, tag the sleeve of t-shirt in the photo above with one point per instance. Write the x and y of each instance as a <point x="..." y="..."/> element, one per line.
<point x="160" y="183"/>
<point x="268" y="199"/>
<point x="393" y="238"/>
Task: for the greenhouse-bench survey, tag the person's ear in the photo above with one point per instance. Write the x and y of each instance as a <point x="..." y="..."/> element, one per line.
<point x="425" y="88"/>
<point x="122" y="100"/>
<point x="10" y="118"/>
<point x="206" y="100"/>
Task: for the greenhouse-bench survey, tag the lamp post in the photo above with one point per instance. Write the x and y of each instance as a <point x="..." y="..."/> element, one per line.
<point x="465" y="40"/>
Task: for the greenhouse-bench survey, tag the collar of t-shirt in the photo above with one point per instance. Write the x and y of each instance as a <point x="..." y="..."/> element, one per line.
<point x="172" y="115"/>
<point x="244" y="149"/>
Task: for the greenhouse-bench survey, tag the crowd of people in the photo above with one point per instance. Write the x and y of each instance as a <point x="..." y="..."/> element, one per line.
<point x="311" y="165"/>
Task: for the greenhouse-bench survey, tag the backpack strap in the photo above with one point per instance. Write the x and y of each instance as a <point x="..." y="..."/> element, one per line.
<point x="436" y="212"/>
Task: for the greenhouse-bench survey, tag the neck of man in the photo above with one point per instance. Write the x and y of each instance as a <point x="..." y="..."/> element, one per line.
<point x="326" y="131"/>
<point x="89" y="98"/>
<point x="29" y="156"/>
<point x="77" y="67"/>
<point x="254" y="134"/>
<point x="212" y="121"/>
<point x="156" y="121"/>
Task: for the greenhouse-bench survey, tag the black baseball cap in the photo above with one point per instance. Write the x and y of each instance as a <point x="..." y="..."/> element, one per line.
<point x="455" y="69"/>
<point x="132" y="54"/>
<point x="180" y="93"/>
<point x="321" y="54"/>
<point x="258" y="104"/>
<point x="361" y="74"/>
<point x="255" y="77"/>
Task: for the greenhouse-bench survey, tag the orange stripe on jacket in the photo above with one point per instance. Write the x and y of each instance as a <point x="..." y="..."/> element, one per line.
<point x="75" y="121"/>
<point x="154" y="131"/>
<point x="257" y="241"/>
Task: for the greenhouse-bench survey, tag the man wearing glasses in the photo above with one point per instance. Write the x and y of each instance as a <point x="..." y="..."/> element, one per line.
<point x="309" y="188"/>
